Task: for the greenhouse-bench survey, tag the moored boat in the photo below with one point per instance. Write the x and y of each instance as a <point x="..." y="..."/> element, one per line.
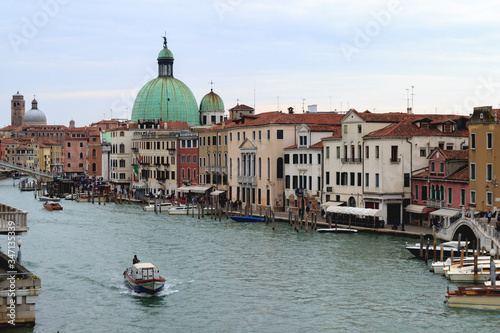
<point x="448" y="248"/>
<point x="337" y="230"/>
<point x="483" y="297"/>
<point x="247" y="219"/>
<point x="183" y="210"/>
<point x="144" y="277"/>
<point x="160" y="207"/>
<point x="47" y="198"/>
<point x="51" y="205"/>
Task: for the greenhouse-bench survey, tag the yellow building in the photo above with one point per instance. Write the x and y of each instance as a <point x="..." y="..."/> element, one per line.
<point x="483" y="182"/>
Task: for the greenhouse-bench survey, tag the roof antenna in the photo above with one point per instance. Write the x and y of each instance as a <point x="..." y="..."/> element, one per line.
<point x="303" y="100"/>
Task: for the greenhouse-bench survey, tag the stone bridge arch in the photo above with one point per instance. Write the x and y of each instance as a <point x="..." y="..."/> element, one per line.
<point x="469" y="229"/>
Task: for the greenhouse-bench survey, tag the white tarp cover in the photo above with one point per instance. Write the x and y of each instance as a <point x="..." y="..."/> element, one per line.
<point x="418" y="209"/>
<point x="362" y="212"/>
<point x="217" y="192"/>
<point x="194" y="189"/>
<point x="445" y="212"/>
<point x="332" y="204"/>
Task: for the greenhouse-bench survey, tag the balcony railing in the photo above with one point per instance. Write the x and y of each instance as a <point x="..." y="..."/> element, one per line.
<point x="435" y="203"/>
<point x="351" y="160"/>
<point x="247" y="180"/>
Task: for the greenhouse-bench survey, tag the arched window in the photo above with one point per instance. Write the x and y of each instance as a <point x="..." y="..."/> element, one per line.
<point x="279" y="168"/>
<point x="433" y="192"/>
<point x="238" y="166"/>
<point x="122" y="148"/>
<point x="230" y="167"/>
<point x="194" y="173"/>
<point x="225" y="160"/>
<point x="81" y="155"/>
<point x="260" y="167"/>
<point x="189" y="173"/>
<point x="442" y="192"/>
<point x="183" y="174"/>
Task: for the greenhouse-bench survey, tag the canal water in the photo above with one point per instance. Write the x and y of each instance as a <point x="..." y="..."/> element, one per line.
<point x="225" y="276"/>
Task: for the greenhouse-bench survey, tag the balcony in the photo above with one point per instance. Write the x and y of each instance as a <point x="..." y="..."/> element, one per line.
<point x="395" y="160"/>
<point x="247" y="180"/>
<point x="435" y="203"/>
<point x="351" y="160"/>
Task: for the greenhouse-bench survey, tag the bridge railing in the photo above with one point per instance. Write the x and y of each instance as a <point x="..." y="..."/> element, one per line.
<point x="12" y="219"/>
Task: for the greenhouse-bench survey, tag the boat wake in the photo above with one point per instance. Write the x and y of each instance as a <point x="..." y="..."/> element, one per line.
<point x="169" y="289"/>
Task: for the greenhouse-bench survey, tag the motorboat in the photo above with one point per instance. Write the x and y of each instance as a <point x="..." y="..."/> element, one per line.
<point x="47" y="198"/>
<point x="159" y="207"/>
<point x="247" y="219"/>
<point x="482" y="297"/>
<point x="466" y="273"/>
<point x="438" y="267"/>
<point x="51" y="205"/>
<point x="337" y="230"/>
<point x="183" y="210"/>
<point x="144" y="277"/>
<point x="448" y="248"/>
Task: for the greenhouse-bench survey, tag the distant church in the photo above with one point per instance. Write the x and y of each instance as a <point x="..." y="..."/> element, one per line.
<point x="169" y="99"/>
<point x="18" y="115"/>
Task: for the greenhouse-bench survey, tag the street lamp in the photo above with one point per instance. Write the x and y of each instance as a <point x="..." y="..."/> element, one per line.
<point x="19" y="243"/>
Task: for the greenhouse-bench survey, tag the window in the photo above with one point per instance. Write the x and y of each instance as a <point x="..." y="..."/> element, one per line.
<point x="472" y="197"/>
<point x="367" y="181"/>
<point x="406" y="180"/>
<point x="194" y="158"/>
<point x="268" y="168"/>
<point x="472" y="141"/>
<point x="345" y="128"/>
<point x="489" y="172"/>
<point x="122" y="133"/>
<point x="327" y="178"/>
<point x="295" y="158"/>
<point x="377" y="180"/>
<point x="230" y="137"/>
<point x="225" y="140"/>
<point x="462" y="197"/>
<point x="367" y="149"/>
<point x="188" y="158"/>
<point x="432" y="167"/>
<point x="423" y="152"/>
<point x="295" y="182"/>
<point x="69" y="155"/>
<point x="377" y="152"/>
<point x="394" y="154"/>
<point x="81" y="144"/>
<point x="416" y="192"/>
<point x="122" y="163"/>
<point x="447" y="128"/>
<point x="359" y="178"/>
<point x="338" y="178"/>
<point x="338" y="151"/>
<point x="287" y="158"/>
<point x="327" y="152"/>
<point x="353" y="179"/>
<point x="269" y="134"/>
<point x="238" y="136"/>
<point x="122" y="148"/>
<point x="69" y="144"/>
<point x="94" y="153"/>
<point x="279" y="168"/>
<point x="489" y="140"/>
<point x="253" y="135"/>
<point x="260" y="135"/>
<point x="441" y="167"/>
<point x="489" y="198"/>
<point x="279" y="134"/>
<point x="424" y="193"/>
<point x="359" y="128"/>
<point x="450" y="195"/>
<point x="287" y="181"/>
<point x="80" y="165"/>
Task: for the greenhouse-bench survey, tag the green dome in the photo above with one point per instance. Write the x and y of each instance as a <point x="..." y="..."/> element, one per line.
<point x="165" y="97"/>
<point x="211" y="102"/>
<point x="168" y="99"/>
<point x="165" y="54"/>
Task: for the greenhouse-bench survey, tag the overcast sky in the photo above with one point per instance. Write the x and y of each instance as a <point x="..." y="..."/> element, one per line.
<point x="86" y="60"/>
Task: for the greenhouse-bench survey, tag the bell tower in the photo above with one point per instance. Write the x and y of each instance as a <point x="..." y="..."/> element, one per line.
<point x="17" y="109"/>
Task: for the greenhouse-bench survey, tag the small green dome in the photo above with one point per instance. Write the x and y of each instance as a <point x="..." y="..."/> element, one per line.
<point x="165" y="54"/>
<point x="168" y="99"/>
<point x="211" y="102"/>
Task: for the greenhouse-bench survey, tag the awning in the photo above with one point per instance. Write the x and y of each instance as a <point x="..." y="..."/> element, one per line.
<point x="362" y="212"/>
<point x="217" y="192"/>
<point x="194" y="189"/>
<point x="446" y="212"/>
<point x="332" y="203"/>
<point x="418" y="209"/>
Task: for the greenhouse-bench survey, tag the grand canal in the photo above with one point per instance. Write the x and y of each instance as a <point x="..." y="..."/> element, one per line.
<point x="224" y="276"/>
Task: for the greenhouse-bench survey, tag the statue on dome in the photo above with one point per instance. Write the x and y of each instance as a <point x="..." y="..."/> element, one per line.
<point x="164" y="41"/>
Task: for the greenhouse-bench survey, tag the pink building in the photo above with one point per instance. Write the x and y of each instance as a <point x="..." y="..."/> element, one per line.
<point x="443" y="188"/>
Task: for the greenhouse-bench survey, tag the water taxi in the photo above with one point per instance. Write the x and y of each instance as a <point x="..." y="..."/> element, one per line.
<point x="482" y="297"/>
<point x="144" y="277"/>
<point x="159" y="207"/>
<point x="51" y="205"/>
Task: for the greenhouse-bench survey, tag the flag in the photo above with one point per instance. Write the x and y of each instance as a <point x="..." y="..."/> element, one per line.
<point x="135" y="170"/>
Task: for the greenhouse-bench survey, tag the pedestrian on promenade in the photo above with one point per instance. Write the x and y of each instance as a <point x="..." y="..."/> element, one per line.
<point x="488" y="215"/>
